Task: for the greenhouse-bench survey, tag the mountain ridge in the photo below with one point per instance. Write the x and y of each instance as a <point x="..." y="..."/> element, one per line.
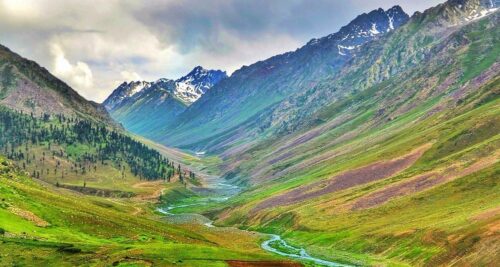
<point x="134" y="103"/>
<point x="187" y="89"/>
<point x="254" y="88"/>
<point x="28" y="87"/>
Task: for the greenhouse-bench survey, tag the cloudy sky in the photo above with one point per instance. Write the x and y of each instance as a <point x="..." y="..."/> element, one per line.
<point x="94" y="45"/>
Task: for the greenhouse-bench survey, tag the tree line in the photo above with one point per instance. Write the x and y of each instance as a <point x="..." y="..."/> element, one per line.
<point x="20" y="133"/>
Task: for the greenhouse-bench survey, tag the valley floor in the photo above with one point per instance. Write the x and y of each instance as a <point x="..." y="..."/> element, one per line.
<point x="43" y="225"/>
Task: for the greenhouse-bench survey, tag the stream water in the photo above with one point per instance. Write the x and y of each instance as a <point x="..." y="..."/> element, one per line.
<point x="223" y="191"/>
<point x="273" y="244"/>
<point x="293" y="252"/>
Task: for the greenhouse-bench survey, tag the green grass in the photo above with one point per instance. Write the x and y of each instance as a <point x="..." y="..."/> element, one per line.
<point x="411" y="230"/>
<point x="100" y="232"/>
<point x="482" y="52"/>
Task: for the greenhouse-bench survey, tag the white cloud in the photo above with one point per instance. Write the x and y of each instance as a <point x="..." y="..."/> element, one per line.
<point x="21" y="8"/>
<point x="78" y="75"/>
<point x="130" y="76"/>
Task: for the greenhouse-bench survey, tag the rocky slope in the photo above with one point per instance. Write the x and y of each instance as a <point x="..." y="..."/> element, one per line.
<point x="26" y="86"/>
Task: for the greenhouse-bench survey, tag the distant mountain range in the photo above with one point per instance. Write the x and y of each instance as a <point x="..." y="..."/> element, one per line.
<point x="134" y="103"/>
<point x="248" y="91"/>
<point x="187" y="89"/>
<point x="253" y="89"/>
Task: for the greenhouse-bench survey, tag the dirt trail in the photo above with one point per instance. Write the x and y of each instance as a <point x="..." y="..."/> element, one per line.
<point x="487" y="214"/>
<point x="352" y="178"/>
<point x="153" y="190"/>
<point x="30" y="216"/>
<point x="137" y="210"/>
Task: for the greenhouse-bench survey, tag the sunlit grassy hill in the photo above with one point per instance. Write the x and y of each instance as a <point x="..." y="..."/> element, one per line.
<point x="42" y="225"/>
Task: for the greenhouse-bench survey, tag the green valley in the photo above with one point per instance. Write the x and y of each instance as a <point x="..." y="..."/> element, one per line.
<point x="376" y="145"/>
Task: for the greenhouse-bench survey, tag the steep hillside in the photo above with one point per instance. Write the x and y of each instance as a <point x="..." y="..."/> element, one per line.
<point x="123" y="92"/>
<point x="395" y="159"/>
<point x="148" y="108"/>
<point x="57" y="136"/>
<point x="252" y="89"/>
<point x="151" y="107"/>
<point x="26" y="86"/>
<point x="424" y="66"/>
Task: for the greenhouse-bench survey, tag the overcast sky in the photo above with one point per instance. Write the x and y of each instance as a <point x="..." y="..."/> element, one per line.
<point x="95" y="45"/>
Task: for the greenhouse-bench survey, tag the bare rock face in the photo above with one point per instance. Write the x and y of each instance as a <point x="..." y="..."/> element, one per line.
<point x="30" y="98"/>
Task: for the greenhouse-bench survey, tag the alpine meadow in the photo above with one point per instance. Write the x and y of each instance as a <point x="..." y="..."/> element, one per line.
<point x="375" y="143"/>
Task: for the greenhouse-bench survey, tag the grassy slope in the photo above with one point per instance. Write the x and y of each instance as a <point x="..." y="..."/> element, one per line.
<point x="409" y="229"/>
<point x="75" y="229"/>
<point x="452" y="221"/>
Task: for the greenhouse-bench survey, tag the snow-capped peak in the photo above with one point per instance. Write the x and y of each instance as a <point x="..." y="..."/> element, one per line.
<point x="124" y="91"/>
<point x="188" y="88"/>
<point x="197" y="82"/>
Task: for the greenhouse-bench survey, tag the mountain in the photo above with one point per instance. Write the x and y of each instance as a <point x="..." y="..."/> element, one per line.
<point x="392" y="160"/>
<point x="196" y="83"/>
<point x="123" y="92"/>
<point x="44" y="116"/>
<point x="363" y="28"/>
<point x="133" y="103"/>
<point x="252" y="89"/>
<point x="26" y="86"/>
<point x="154" y="106"/>
<point x="419" y="66"/>
<point x="187" y="88"/>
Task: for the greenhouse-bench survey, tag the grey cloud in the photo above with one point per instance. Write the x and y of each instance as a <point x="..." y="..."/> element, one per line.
<point x="108" y="41"/>
<point x="190" y="24"/>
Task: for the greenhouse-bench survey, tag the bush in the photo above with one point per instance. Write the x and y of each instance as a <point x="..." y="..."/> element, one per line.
<point x="70" y="249"/>
<point x="2" y="231"/>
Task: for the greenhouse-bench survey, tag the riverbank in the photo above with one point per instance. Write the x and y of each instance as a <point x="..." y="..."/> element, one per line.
<point x="273" y="244"/>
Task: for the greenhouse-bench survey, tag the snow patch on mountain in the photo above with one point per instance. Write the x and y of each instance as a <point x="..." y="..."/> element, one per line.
<point x="187" y="89"/>
<point x="125" y="91"/>
<point x="364" y="28"/>
<point x="192" y="86"/>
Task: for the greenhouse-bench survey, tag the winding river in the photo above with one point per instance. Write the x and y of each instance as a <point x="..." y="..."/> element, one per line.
<point x="274" y="244"/>
<point x="293" y="252"/>
<point x="215" y="186"/>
